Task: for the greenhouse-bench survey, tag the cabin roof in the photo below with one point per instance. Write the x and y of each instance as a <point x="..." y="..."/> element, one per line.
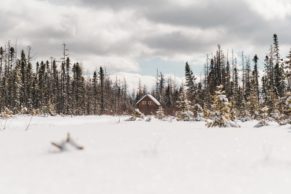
<point x="151" y="97"/>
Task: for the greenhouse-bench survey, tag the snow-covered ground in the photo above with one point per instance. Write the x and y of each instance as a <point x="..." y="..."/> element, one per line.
<point x="157" y="157"/>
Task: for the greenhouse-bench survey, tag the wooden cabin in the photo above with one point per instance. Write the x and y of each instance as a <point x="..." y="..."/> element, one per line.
<point x="148" y="105"/>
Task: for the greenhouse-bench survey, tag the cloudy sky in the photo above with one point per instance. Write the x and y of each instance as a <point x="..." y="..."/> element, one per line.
<point x="139" y="36"/>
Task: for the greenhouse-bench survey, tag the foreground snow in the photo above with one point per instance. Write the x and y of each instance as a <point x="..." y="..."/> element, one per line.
<point x="157" y="157"/>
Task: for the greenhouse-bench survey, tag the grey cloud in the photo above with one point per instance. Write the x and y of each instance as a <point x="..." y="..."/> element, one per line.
<point x="8" y="21"/>
<point x="208" y="14"/>
<point x="177" y="42"/>
<point x="232" y="23"/>
<point x="235" y="17"/>
<point x="50" y="33"/>
<point x="242" y="26"/>
<point x="114" y="4"/>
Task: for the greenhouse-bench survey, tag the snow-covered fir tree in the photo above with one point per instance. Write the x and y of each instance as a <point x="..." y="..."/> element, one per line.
<point x="184" y="107"/>
<point x="220" y="115"/>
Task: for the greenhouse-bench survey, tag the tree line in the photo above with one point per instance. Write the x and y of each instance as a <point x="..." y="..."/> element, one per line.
<point x="51" y="87"/>
<point x="247" y="90"/>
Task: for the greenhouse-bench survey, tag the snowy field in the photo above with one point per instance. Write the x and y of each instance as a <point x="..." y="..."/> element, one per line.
<point x="157" y="157"/>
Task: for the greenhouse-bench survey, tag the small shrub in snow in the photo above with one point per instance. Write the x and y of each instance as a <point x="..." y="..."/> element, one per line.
<point x="24" y="110"/>
<point x="131" y="119"/>
<point x="6" y="113"/>
<point x="277" y="116"/>
<point x="160" y="113"/>
<point x="244" y="115"/>
<point x="206" y="112"/>
<point x="148" y="119"/>
<point x="35" y="112"/>
<point x="198" y="112"/>
<point x="261" y="123"/>
<point x="264" y="115"/>
<point x="137" y="115"/>
<point x="184" y="116"/>
<point x="48" y="110"/>
<point x="287" y="108"/>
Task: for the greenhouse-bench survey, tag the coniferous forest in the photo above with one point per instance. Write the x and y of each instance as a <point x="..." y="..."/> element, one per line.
<point x="228" y="90"/>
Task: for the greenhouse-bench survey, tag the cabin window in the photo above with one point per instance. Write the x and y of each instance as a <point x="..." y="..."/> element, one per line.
<point x="147" y="103"/>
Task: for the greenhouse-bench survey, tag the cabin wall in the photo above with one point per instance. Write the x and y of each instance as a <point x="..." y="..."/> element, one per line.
<point x="147" y="106"/>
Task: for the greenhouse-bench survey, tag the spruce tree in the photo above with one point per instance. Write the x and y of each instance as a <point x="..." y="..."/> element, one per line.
<point x="221" y="110"/>
<point x="190" y="83"/>
<point x="288" y="71"/>
<point x="95" y="92"/>
<point x="287" y="108"/>
<point x="255" y="76"/>
<point x="102" y="79"/>
<point x="247" y="80"/>
<point x="279" y="85"/>
<point x="16" y="91"/>
<point x="29" y="78"/>
<point x="184" y="107"/>
<point x="252" y="100"/>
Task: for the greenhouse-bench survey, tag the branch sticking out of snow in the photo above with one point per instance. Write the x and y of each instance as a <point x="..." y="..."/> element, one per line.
<point x="62" y="146"/>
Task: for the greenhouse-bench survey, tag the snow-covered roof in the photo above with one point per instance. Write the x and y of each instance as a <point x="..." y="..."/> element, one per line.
<point x="151" y="97"/>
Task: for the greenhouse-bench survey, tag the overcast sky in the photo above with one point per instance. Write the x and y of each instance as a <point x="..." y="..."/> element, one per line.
<point x="136" y="36"/>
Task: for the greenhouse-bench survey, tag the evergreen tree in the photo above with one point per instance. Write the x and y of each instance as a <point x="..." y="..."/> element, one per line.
<point x="190" y="83"/>
<point x="247" y="80"/>
<point x="227" y="80"/>
<point x="255" y="75"/>
<point x="68" y="86"/>
<point x="287" y="108"/>
<point x="252" y="100"/>
<point x="276" y="49"/>
<point x="23" y="89"/>
<point x="95" y="92"/>
<point x="28" y="90"/>
<point x="268" y="84"/>
<point x="221" y="110"/>
<point x="288" y="71"/>
<point x="16" y="91"/>
<point x="78" y="90"/>
<point x="102" y="79"/>
<point x="161" y="89"/>
<point x="279" y="85"/>
<point x="236" y="91"/>
<point x="184" y="107"/>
